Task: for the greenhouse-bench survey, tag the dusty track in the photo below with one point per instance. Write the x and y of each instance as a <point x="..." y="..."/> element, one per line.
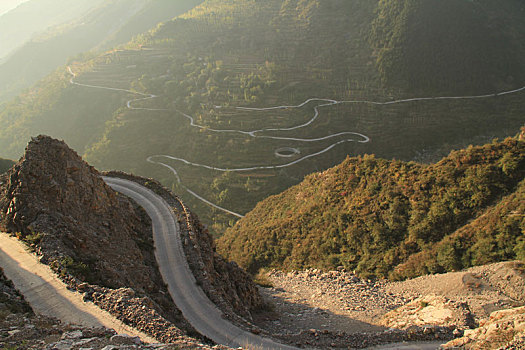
<point x="48" y="295"/>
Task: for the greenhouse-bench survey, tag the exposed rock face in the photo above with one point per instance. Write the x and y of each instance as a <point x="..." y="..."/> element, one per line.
<point x="56" y="202"/>
<point x="225" y="283"/>
<point x="430" y="310"/>
<point x="11" y="301"/>
<point x="500" y="329"/>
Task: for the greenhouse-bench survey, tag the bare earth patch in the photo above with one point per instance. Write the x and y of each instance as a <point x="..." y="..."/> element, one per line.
<point x="338" y="301"/>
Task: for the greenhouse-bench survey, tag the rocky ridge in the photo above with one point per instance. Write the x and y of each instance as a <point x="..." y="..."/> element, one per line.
<point x="99" y="242"/>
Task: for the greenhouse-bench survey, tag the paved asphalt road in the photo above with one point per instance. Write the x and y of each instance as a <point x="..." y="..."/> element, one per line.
<point x="202" y="314"/>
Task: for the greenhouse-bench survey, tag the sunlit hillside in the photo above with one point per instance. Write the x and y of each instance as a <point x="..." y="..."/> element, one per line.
<point x="101" y="26"/>
<point x="391" y="218"/>
<point x="235" y="101"/>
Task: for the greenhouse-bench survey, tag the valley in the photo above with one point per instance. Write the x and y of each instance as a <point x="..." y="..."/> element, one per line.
<point x="277" y="174"/>
<point x="198" y="62"/>
<point x="258" y="118"/>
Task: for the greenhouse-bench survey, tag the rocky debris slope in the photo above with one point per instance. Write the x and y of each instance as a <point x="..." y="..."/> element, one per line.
<point x="226" y="284"/>
<point x="498" y="330"/>
<point x="20" y="328"/>
<point x="338" y="307"/>
<point x="18" y="331"/>
<point x="92" y="237"/>
<point x="430" y="310"/>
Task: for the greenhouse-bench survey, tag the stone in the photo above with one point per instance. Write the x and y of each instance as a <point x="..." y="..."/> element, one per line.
<point x="124" y="339"/>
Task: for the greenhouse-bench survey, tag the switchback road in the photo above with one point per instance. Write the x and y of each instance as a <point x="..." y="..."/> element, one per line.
<point x="202" y="314"/>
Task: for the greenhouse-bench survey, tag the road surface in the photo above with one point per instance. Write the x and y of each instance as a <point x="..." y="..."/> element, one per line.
<point x="48" y="295"/>
<point x="202" y="314"/>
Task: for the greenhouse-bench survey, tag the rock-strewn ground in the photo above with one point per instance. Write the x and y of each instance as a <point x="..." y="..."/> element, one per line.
<point x="338" y="304"/>
<point x="498" y="330"/>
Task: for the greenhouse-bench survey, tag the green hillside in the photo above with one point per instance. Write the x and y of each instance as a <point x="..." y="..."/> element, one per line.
<point x="235" y="101"/>
<point x="449" y="45"/>
<point x="5" y="165"/>
<point x="495" y="235"/>
<point x="105" y="25"/>
<point x="373" y="215"/>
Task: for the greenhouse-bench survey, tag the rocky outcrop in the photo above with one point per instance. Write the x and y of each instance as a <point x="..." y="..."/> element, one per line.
<point x="55" y="200"/>
<point x="11" y="301"/>
<point x="225" y="283"/>
<point x="501" y="329"/>
<point x="431" y="310"/>
<point x="85" y="231"/>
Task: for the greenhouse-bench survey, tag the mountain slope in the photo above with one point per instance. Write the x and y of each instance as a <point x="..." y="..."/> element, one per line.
<point x="449" y="46"/>
<point x="282" y="89"/>
<point x="5" y="165"/>
<point x="372" y="215"/>
<point x="108" y="24"/>
<point x="34" y="16"/>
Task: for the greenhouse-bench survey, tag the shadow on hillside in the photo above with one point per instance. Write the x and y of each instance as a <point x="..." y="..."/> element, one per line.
<point x="287" y="316"/>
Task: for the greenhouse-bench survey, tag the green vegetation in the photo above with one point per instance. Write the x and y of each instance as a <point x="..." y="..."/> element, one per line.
<point x="449" y="46"/>
<point x="247" y="53"/>
<point x="5" y="165"/>
<point x="106" y="24"/>
<point x="392" y="218"/>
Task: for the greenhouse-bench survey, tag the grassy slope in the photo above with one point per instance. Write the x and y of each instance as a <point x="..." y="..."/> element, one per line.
<point x="372" y="215"/>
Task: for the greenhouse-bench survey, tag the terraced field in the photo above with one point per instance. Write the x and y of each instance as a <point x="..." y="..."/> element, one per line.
<point x="226" y="160"/>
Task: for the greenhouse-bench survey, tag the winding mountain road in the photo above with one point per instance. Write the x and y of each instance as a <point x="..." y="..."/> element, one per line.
<point x="341" y="137"/>
<point x="202" y="314"/>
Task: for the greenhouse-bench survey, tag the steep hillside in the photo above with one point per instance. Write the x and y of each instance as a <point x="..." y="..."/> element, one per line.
<point x="235" y="101"/>
<point x="108" y="24"/>
<point x="101" y="244"/>
<point x="450" y="46"/>
<point x="34" y="16"/>
<point x="5" y="165"/>
<point x="8" y="5"/>
<point x="55" y="200"/>
<point x="372" y="215"/>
